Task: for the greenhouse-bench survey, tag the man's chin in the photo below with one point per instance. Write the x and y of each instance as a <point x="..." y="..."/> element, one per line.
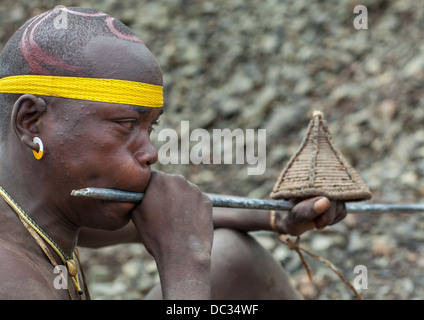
<point x="115" y="216"/>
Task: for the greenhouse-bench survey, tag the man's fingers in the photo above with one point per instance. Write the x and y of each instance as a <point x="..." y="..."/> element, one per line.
<point x="328" y="213"/>
<point x="341" y="212"/>
<point x="311" y="208"/>
<point x="317" y="212"/>
<point x="322" y="205"/>
<point x="335" y="213"/>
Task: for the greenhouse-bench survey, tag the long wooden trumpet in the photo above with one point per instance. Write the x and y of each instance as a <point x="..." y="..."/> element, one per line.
<point x="229" y="201"/>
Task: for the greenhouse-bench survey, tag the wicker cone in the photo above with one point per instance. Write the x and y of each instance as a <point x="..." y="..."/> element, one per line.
<point x="319" y="169"/>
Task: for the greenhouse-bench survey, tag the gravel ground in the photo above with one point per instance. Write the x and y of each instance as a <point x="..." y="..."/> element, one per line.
<point x="267" y="64"/>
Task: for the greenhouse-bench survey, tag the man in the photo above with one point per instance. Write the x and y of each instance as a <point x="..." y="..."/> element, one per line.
<point x="78" y="105"/>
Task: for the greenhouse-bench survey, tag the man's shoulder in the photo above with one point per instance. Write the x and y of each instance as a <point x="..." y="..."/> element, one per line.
<point x="12" y="253"/>
<point x="20" y="276"/>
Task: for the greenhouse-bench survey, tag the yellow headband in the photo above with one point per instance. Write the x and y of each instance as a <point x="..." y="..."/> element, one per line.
<point x="93" y="89"/>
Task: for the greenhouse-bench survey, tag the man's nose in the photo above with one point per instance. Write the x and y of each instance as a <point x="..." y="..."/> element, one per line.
<point x="147" y="155"/>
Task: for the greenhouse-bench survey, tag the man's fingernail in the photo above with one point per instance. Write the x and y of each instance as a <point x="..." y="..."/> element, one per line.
<point x="321" y="205"/>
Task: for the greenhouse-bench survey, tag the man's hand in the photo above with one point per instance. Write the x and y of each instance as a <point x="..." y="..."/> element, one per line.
<point x="314" y="213"/>
<point x="174" y="221"/>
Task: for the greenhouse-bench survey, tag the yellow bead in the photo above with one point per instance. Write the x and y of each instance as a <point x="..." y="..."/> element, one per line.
<point x="72" y="267"/>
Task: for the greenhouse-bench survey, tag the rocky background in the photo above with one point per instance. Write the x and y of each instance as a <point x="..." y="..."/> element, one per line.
<point x="267" y="64"/>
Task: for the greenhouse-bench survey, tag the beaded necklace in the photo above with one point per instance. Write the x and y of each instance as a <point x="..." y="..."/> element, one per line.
<point x="70" y="261"/>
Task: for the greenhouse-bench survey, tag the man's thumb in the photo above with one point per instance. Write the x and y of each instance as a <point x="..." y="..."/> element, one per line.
<point x="321" y="205"/>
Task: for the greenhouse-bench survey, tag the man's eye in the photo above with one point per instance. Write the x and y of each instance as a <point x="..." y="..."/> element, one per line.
<point x="152" y="125"/>
<point x="129" y="124"/>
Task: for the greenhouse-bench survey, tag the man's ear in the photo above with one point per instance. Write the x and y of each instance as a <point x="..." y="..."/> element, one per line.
<point x="25" y="115"/>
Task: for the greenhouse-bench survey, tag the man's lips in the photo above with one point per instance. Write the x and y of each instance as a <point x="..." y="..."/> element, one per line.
<point x="125" y="206"/>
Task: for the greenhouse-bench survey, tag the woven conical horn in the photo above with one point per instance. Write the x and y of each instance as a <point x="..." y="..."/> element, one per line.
<point x="319" y="169"/>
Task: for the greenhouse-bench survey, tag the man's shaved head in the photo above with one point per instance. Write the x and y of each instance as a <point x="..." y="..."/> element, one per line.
<point x="39" y="47"/>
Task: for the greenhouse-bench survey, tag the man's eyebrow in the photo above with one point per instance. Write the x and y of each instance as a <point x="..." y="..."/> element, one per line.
<point x="144" y="110"/>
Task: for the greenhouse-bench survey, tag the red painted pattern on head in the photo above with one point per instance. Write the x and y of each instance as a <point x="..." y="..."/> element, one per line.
<point x="36" y="56"/>
<point x="84" y="14"/>
<point x="119" y="34"/>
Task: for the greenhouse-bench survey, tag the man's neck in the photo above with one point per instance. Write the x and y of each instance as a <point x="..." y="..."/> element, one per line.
<point x="44" y="214"/>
